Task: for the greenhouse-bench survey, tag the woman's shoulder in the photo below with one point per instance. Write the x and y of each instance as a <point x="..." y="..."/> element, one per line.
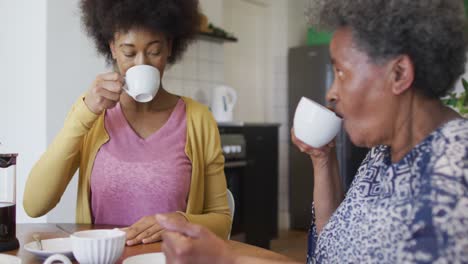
<point x="449" y="151"/>
<point x="455" y="130"/>
<point x="194" y="107"/>
<point x="198" y="114"/>
<point x="451" y="139"/>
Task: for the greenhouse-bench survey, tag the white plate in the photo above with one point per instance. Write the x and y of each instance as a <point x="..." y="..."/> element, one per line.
<point x="154" y="258"/>
<point x="8" y="259"/>
<point x="50" y="247"/>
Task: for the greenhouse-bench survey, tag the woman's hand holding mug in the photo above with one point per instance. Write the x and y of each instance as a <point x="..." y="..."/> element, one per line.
<point x="319" y="156"/>
<point x="104" y="92"/>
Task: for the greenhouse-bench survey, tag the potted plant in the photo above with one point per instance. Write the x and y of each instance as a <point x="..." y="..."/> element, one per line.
<point x="459" y="102"/>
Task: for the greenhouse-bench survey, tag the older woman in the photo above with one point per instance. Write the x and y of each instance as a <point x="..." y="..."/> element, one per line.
<point x="393" y="60"/>
<point x="136" y="160"/>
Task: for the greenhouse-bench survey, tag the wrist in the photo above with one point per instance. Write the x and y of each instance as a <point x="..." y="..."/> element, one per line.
<point x="324" y="161"/>
<point x="183" y="215"/>
<point x="230" y="258"/>
<point x="321" y="163"/>
<point x="88" y="105"/>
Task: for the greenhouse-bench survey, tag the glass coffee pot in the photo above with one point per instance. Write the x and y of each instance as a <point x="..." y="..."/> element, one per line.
<point x="8" y="240"/>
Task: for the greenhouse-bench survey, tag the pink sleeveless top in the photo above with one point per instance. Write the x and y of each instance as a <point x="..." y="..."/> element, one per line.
<point x="134" y="177"/>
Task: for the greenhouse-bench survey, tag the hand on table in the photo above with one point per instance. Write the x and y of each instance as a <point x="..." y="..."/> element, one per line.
<point x="184" y="242"/>
<point x="148" y="229"/>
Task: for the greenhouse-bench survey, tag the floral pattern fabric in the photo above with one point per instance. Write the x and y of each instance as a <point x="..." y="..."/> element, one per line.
<point x="412" y="211"/>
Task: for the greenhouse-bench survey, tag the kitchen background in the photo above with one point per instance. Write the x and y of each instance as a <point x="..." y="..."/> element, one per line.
<point x="47" y="62"/>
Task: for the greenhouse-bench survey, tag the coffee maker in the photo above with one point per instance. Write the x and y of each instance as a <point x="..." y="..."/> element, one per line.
<point x="8" y="240"/>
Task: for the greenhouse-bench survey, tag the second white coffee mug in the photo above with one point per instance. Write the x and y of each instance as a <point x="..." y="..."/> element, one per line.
<point x="315" y="124"/>
<point x="57" y="258"/>
<point x="142" y="82"/>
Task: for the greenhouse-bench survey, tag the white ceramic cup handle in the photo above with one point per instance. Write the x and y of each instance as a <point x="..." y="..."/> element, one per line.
<point x="57" y="257"/>
<point x="125" y="88"/>
<point x="232" y="93"/>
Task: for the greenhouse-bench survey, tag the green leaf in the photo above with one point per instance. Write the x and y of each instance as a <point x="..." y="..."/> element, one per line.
<point x="452" y="102"/>
<point x="465" y="85"/>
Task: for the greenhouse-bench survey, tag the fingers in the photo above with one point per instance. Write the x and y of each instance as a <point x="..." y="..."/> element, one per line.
<point x="113" y="87"/>
<point x="179" y="226"/>
<point x="313" y="153"/>
<point x="111" y="76"/>
<point x="104" y="95"/>
<point x="175" y="247"/>
<point x="207" y="248"/>
<point x="154" y="238"/>
<point x="150" y="235"/>
<point x="104" y="92"/>
<point x="299" y="144"/>
<point x="144" y="228"/>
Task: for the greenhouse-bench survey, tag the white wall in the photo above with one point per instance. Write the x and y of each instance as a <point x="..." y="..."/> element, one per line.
<point x="23" y="89"/>
<point x="297" y="23"/>
<point x="201" y="68"/>
<point x="213" y="9"/>
<point x="72" y="64"/>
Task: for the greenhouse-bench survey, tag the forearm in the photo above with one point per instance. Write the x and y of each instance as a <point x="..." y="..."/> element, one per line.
<point x="48" y="180"/>
<point x="257" y="260"/>
<point x="58" y="164"/>
<point x="328" y="189"/>
<point x="218" y="223"/>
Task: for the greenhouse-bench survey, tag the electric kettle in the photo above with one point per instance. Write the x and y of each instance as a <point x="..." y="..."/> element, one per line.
<point x="223" y="100"/>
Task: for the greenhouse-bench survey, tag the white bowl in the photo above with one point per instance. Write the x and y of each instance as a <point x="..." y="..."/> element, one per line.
<point x="103" y="246"/>
<point x="315" y="124"/>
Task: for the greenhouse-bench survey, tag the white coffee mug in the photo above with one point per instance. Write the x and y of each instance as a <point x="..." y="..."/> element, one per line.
<point x="57" y="257"/>
<point x="142" y="82"/>
<point x="315" y="124"/>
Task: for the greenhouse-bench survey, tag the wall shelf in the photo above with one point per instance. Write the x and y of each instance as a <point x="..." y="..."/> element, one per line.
<point x="215" y="37"/>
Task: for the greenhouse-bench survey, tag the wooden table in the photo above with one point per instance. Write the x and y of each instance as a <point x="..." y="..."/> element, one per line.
<point x="24" y="234"/>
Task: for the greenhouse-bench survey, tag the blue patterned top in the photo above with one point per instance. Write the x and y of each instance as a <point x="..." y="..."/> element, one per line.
<point x="412" y="211"/>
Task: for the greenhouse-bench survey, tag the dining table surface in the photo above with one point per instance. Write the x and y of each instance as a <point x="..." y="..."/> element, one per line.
<point x="25" y="232"/>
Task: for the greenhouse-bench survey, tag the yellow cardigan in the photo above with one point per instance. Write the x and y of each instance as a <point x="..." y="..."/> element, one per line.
<point x="77" y="144"/>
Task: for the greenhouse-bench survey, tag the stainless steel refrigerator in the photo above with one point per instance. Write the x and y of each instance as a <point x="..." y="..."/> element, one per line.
<point x="310" y="74"/>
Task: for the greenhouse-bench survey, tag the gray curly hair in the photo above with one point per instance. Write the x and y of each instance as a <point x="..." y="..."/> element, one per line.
<point x="431" y="32"/>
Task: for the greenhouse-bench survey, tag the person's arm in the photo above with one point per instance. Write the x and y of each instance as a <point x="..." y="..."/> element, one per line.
<point x="328" y="189"/>
<point x="51" y="174"/>
<point x="216" y="215"/>
<point x="255" y="260"/>
<point x="185" y="242"/>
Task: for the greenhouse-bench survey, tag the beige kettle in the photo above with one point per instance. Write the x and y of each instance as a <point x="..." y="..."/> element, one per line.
<point x="223" y="100"/>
